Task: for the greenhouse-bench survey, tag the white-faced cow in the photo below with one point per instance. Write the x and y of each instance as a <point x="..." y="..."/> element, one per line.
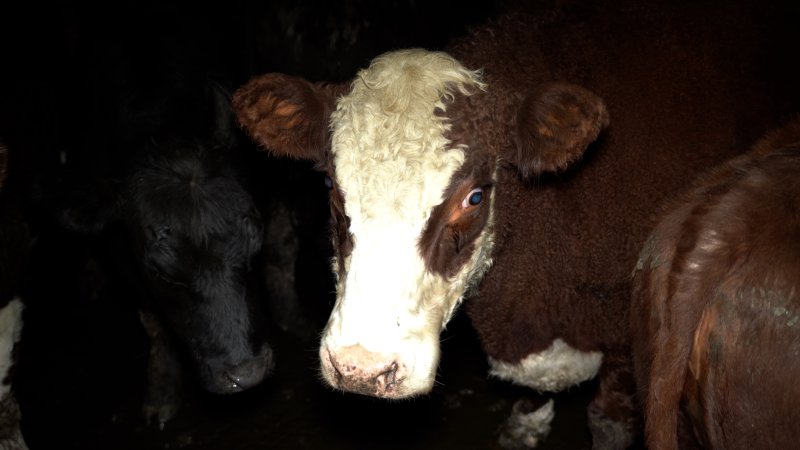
<point x="716" y="307"/>
<point x="475" y="173"/>
<point x="14" y="241"/>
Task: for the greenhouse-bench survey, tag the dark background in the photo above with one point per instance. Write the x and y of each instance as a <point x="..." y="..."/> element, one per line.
<point x="64" y="69"/>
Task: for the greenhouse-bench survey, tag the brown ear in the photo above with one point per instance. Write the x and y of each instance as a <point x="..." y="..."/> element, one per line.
<point x="287" y="115"/>
<point x="555" y="124"/>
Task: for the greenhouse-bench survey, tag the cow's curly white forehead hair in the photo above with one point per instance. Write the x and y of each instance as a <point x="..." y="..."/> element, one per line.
<point x="389" y="124"/>
<point x="403" y="79"/>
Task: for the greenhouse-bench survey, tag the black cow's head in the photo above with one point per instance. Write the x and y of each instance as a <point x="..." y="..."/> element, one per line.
<point x="196" y="231"/>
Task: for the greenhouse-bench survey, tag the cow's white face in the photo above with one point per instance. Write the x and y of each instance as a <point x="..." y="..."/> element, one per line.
<point x="402" y="194"/>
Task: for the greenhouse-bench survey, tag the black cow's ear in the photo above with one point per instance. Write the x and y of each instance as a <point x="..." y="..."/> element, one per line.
<point x="287" y="115"/>
<point x="555" y="125"/>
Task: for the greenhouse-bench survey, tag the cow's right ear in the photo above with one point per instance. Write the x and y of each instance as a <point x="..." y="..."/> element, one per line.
<point x="287" y="115"/>
<point x="555" y="125"/>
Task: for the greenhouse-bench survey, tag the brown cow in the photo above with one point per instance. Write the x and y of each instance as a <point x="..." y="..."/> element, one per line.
<point x="716" y="309"/>
<point x="472" y="173"/>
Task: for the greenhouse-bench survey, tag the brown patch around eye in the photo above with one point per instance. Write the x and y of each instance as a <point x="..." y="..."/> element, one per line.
<point x="447" y="240"/>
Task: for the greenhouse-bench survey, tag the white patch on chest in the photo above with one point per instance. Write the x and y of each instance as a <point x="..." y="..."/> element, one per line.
<point x="10" y="332"/>
<point x="554" y="369"/>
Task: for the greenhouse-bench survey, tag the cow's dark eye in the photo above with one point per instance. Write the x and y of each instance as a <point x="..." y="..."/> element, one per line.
<point x="475" y="197"/>
<point x="328" y="182"/>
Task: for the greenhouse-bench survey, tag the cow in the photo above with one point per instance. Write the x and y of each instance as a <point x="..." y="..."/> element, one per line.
<point x="517" y="167"/>
<point x="14" y="245"/>
<point x="715" y="307"/>
<point x="187" y="237"/>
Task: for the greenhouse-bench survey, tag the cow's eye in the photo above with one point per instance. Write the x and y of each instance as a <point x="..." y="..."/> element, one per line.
<point x="475" y="197"/>
<point x="328" y="182"/>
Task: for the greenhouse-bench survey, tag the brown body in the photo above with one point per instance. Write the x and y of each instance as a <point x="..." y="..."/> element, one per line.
<point x="716" y="307"/>
<point x="567" y="242"/>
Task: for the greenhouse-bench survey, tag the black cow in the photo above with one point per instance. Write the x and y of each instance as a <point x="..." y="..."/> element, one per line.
<point x="194" y="235"/>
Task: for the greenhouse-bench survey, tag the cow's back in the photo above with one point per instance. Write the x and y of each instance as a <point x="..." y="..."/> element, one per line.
<point x="715" y="309"/>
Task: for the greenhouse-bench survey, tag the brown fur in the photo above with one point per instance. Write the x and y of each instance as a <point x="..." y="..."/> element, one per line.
<point x="675" y="82"/>
<point x="716" y="311"/>
<point x="447" y="244"/>
<point x="555" y="124"/>
<point x="278" y="105"/>
<point x="578" y="232"/>
<point x="566" y="242"/>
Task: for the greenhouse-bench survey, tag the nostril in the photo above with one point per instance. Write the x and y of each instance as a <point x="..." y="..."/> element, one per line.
<point x="389" y="376"/>
<point x="335" y="365"/>
<point x="234" y="381"/>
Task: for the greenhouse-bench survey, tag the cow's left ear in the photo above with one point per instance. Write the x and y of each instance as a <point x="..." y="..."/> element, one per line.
<point x="555" y="125"/>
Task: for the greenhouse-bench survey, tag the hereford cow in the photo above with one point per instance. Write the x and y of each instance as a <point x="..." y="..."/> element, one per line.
<point x="716" y="310"/>
<point x="478" y="172"/>
<point x="13" y="250"/>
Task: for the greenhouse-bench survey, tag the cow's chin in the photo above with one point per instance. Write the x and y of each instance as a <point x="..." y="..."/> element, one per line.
<point x="355" y="368"/>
